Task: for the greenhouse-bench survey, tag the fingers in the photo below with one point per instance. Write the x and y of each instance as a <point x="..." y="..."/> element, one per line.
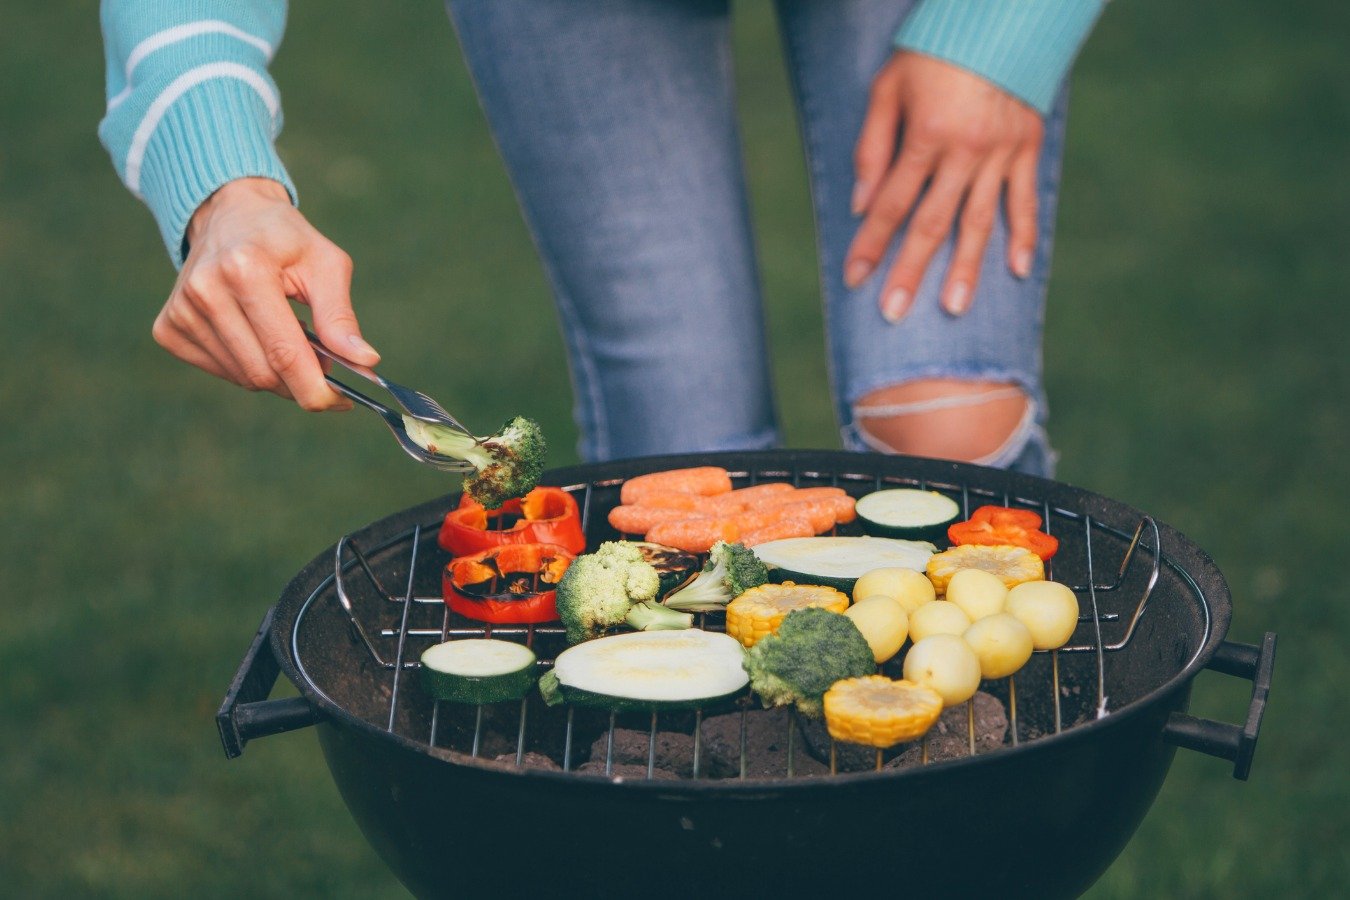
<point x="207" y="310"/>
<point x="323" y="282"/>
<point x="1022" y="210"/>
<point x="928" y="229"/>
<point x="179" y="329"/>
<point x="875" y="149"/>
<point x="232" y="319"/>
<point x="888" y="209"/>
<point x="266" y="338"/>
<point x="957" y="187"/>
<point x="978" y="215"/>
<point x="184" y="346"/>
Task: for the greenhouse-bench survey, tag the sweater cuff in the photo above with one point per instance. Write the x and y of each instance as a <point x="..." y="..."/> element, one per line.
<point x="217" y="131"/>
<point x="1023" y="46"/>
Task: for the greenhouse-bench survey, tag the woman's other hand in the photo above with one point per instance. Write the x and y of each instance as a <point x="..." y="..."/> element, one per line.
<point x="229" y="314"/>
<point x="964" y="139"/>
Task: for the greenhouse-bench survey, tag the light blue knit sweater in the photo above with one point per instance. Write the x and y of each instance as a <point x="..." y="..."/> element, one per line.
<point x="192" y="106"/>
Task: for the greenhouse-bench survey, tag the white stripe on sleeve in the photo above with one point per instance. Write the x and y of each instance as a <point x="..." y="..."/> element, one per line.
<point x="161" y="39"/>
<point x="177" y="88"/>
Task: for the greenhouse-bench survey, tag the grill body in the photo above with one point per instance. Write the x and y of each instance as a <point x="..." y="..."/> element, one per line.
<point x="1042" y="823"/>
<point x="1044" y="818"/>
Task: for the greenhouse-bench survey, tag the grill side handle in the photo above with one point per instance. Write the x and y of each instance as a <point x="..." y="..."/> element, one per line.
<point x="246" y="713"/>
<point x="1232" y="742"/>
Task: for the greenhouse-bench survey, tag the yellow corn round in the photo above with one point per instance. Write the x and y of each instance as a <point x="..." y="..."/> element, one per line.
<point x="760" y="610"/>
<point x="879" y="712"/>
<point x="1014" y="565"/>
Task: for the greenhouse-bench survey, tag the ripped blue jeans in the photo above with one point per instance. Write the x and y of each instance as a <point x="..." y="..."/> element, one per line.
<point x="617" y="123"/>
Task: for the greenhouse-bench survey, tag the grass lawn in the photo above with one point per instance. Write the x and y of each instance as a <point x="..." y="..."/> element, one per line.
<point x="1196" y="362"/>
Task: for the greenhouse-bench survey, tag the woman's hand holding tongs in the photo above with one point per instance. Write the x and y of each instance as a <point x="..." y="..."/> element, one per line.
<point x="228" y="314"/>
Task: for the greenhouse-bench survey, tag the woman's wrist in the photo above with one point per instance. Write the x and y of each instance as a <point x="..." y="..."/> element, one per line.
<point x="1024" y="47"/>
<point x="240" y="190"/>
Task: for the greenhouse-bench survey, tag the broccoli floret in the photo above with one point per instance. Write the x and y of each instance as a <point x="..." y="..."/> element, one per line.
<point x="507" y="464"/>
<point x="610" y="587"/>
<point x="811" y="650"/>
<point x="732" y="570"/>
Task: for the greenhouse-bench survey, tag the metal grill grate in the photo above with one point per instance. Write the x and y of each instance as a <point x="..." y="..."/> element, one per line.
<point x="390" y="647"/>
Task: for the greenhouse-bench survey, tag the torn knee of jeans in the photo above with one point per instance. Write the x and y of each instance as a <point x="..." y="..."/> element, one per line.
<point x="985" y="422"/>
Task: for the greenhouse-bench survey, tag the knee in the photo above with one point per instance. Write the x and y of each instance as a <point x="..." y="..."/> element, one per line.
<point x="965" y="420"/>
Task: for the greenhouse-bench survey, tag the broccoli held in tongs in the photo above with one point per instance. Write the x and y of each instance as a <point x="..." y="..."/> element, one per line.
<point x="732" y="570"/>
<point x="507" y="464"/>
<point x="613" y="586"/>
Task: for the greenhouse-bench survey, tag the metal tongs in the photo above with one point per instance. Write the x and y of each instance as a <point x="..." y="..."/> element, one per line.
<point x="415" y="403"/>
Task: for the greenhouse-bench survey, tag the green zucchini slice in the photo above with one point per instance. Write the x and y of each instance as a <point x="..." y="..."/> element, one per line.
<point x="909" y="514"/>
<point x="478" y="670"/>
<point x="838" y="562"/>
<point x="648" y="670"/>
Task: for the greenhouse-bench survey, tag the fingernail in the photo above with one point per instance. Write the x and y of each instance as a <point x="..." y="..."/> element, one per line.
<point x="895" y="305"/>
<point x="958" y="298"/>
<point x="360" y="345"/>
<point x="857" y="272"/>
<point x="860" y="192"/>
<point x="1022" y="263"/>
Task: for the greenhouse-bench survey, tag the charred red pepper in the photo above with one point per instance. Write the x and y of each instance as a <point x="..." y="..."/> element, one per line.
<point x="1004" y="525"/>
<point x="546" y="515"/>
<point x="512" y="584"/>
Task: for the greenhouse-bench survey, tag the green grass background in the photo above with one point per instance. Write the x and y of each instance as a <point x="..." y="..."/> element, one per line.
<point x="149" y="515"/>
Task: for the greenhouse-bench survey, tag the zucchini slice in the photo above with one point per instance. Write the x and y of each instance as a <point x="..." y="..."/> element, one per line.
<point x="478" y="670"/>
<point x="908" y="513"/>
<point x="647" y="670"/>
<point x="838" y="562"/>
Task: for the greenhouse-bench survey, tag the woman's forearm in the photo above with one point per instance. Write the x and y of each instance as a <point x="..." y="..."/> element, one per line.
<point x="191" y="105"/>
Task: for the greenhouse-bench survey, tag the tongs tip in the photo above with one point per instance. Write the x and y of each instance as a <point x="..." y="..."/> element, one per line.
<point x="416" y="406"/>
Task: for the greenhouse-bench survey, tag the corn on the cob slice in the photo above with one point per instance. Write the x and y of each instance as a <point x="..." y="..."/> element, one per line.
<point x="760" y="610"/>
<point x="1014" y="565"/>
<point x="879" y="712"/>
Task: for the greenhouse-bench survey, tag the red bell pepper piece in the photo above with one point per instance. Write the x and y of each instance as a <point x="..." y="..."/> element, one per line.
<point x="1007" y="526"/>
<point x="511" y="584"/>
<point x="546" y="515"/>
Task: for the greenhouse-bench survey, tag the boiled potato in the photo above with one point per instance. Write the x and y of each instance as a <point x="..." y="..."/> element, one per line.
<point x="945" y="663"/>
<point x="1001" y="643"/>
<point x="907" y="587"/>
<point x="1048" y="609"/>
<point x="938" y="617"/>
<point x="883" y="623"/>
<point x="977" y="592"/>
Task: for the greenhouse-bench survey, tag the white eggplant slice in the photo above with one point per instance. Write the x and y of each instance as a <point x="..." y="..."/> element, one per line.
<point x="840" y="561"/>
<point x="648" y="670"/>
<point x="908" y="513"/>
<point x="478" y="670"/>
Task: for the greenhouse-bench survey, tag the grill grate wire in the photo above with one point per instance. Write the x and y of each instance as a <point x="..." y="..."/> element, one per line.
<point x="349" y="558"/>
